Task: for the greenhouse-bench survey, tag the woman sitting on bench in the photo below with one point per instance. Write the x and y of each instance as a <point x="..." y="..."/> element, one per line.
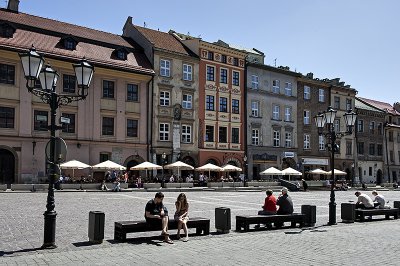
<point x="181" y="216"/>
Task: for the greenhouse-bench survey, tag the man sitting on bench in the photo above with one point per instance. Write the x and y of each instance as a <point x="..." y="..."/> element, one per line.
<point x="156" y="215"/>
<point x="285" y="205"/>
<point x="363" y="201"/>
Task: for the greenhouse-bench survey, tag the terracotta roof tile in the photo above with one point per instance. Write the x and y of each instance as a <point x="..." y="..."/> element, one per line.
<point x="380" y="105"/>
<point x="164" y="41"/>
<point x="90" y="48"/>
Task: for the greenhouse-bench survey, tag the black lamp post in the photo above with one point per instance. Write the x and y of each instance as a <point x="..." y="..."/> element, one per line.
<point x="32" y="64"/>
<point x="245" y="170"/>
<point x="163" y="157"/>
<point x="328" y="117"/>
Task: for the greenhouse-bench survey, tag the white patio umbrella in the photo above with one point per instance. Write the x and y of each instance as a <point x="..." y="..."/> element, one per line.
<point x="336" y="172"/>
<point x="108" y="165"/>
<point x="209" y="167"/>
<point x="146" y="166"/>
<point x="231" y="168"/>
<point x="290" y="171"/>
<point x="74" y="164"/>
<point x="180" y="165"/>
<point x="318" y="171"/>
<point x="271" y="171"/>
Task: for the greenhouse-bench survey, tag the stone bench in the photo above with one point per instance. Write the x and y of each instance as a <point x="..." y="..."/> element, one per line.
<point x="178" y="185"/>
<point x="361" y="213"/>
<point x="202" y="225"/>
<point x="245" y="221"/>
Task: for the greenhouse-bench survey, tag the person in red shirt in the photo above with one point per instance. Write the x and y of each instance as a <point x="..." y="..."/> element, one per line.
<point x="269" y="207"/>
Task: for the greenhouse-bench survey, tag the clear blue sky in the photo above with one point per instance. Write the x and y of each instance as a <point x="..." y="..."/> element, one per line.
<point x="355" y="40"/>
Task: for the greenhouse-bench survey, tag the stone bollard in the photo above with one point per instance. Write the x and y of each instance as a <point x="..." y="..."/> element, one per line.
<point x="311" y="214"/>
<point x="396" y="204"/>
<point x="223" y="219"/>
<point x="348" y="212"/>
<point x="96" y="227"/>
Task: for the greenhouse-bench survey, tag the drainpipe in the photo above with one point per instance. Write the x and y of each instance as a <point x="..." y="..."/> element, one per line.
<point x="385" y="126"/>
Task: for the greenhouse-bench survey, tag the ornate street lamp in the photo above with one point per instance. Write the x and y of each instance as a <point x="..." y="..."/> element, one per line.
<point x="328" y="117"/>
<point x="245" y="170"/>
<point x="32" y="64"/>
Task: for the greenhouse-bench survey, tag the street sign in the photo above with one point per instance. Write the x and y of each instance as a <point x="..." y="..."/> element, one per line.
<point x="60" y="150"/>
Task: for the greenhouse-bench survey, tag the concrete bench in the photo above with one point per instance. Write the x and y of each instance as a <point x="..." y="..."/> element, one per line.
<point x="202" y="225"/>
<point x="3" y="187"/>
<point x="178" y="185"/>
<point x="245" y="221"/>
<point x="29" y="187"/>
<point x="361" y="213"/>
<point x="151" y="185"/>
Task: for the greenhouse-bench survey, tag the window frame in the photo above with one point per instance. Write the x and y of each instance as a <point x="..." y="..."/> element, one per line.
<point x="321" y="95"/>
<point x="223" y="104"/>
<point x="307" y="92"/>
<point x="235" y="138"/>
<point x="223" y="75"/>
<point x="131" y="128"/>
<point x="307" y="142"/>
<point x="276" y="138"/>
<point x="68" y="80"/>
<point x="7" y="74"/>
<point x="38" y="124"/>
<point x="306" y="117"/>
<point x="255" y="136"/>
<point x="276" y="86"/>
<point x="235" y="106"/>
<point x="106" y="128"/>
<point x="210" y="102"/>
<point x="108" y="91"/>
<point x="288" y="114"/>
<point x="131" y="94"/>
<point x="7" y="114"/>
<point x="223" y="134"/>
<point x="254" y="82"/>
<point x="187" y="103"/>
<point x="288" y="139"/>
<point x="186" y="136"/>
<point x="255" y="112"/>
<point x="69" y="128"/>
<point x="210" y="75"/>
<point x="288" y="88"/>
<point x="276" y="112"/>
<point x="165" y="98"/>
<point x="209" y="135"/>
<point x="187" y="72"/>
<point x="235" y="78"/>
<point x="163" y="131"/>
<point x="165" y="68"/>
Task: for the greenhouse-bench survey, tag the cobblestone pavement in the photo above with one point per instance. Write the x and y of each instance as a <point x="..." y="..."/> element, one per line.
<point x="21" y="232"/>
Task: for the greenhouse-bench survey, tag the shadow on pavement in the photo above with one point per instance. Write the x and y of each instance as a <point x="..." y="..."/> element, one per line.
<point x="5" y="253"/>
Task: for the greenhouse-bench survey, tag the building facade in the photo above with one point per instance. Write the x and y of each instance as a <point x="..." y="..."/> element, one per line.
<point x="175" y="95"/>
<point x="271" y="118"/>
<point x="111" y="122"/>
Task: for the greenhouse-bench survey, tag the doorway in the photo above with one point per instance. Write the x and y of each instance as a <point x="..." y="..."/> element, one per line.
<point x="7" y="167"/>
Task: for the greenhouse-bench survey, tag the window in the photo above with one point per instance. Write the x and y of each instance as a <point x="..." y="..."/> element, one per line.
<point x="254" y="82"/>
<point x="380" y="149"/>
<point x="321" y="95"/>
<point x="371" y="149"/>
<point x="210" y="73"/>
<point x="69" y="44"/>
<point x="104" y="157"/>
<point x="276" y="112"/>
<point x="306" y="144"/>
<point x="288" y="139"/>
<point x="223" y="134"/>
<point x="380" y="129"/>
<point x="371" y="127"/>
<point x="210" y="133"/>
<point x="288" y="88"/>
<point x="164" y="131"/>
<point x="6" y="31"/>
<point x="391" y="136"/>
<point x="288" y="114"/>
<point x="69" y="128"/>
<point x="360" y="125"/>
<point x="132" y="92"/>
<point x="40" y="122"/>
<point x="307" y="93"/>
<point x="210" y="56"/>
<point x="235" y="135"/>
<point x="187" y="72"/>
<point x="165" y="66"/>
<point x="132" y="128"/>
<point x="223" y="58"/>
<point x="370" y="171"/>
<point x="7" y="74"/>
<point x="255" y="108"/>
<point x="360" y="147"/>
<point x="108" y="126"/>
<point x="276" y="86"/>
<point x="108" y="89"/>
<point x="186" y="134"/>
<point x="223" y="104"/>
<point x="121" y="54"/>
<point x="164" y="98"/>
<point x="235" y="106"/>
<point x="306" y="117"/>
<point x="255" y="137"/>
<point x="235" y="61"/>
<point x="210" y="103"/>
<point x="235" y="78"/>
<point x="349" y="146"/>
<point x="336" y="125"/>
<point x="321" y="143"/>
<point x="224" y="76"/>
<point x="277" y="138"/>
<point x="348" y="104"/>
<point x="391" y="156"/>
<point x="187" y="101"/>
<point x="336" y="102"/>
<point x="69" y="82"/>
<point x="7" y="117"/>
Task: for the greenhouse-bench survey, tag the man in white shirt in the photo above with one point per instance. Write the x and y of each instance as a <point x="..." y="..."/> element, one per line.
<point x="364" y="201"/>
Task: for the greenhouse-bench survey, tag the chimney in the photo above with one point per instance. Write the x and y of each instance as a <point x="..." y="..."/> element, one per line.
<point x="13" y="5"/>
<point x="396" y="106"/>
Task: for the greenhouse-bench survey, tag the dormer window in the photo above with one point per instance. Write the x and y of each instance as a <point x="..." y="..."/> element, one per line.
<point x="69" y="44"/>
<point x="6" y="30"/>
<point x="121" y="53"/>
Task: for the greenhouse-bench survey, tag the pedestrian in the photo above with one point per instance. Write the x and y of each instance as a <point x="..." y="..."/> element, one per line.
<point x="379" y="201"/>
<point x="156" y="215"/>
<point x="269" y="207"/>
<point x="363" y="201"/>
<point x="182" y="216"/>
<point x="305" y="185"/>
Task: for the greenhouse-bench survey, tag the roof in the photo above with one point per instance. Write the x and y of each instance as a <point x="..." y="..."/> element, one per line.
<point x="164" y="41"/>
<point x="96" y="46"/>
<point x="380" y="105"/>
<point x="362" y="105"/>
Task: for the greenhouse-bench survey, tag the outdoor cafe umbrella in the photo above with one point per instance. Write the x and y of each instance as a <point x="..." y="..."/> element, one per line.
<point x="146" y="166"/>
<point x="108" y="165"/>
<point x="209" y="167"/>
<point x="180" y="165"/>
<point x="74" y="164"/>
<point x="318" y="171"/>
<point x="231" y="168"/>
<point x="271" y="171"/>
<point x="290" y="171"/>
<point x="336" y="172"/>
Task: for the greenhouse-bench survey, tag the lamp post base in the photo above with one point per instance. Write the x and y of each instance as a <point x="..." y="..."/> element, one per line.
<point x="332" y="213"/>
<point x="49" y="230"/>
